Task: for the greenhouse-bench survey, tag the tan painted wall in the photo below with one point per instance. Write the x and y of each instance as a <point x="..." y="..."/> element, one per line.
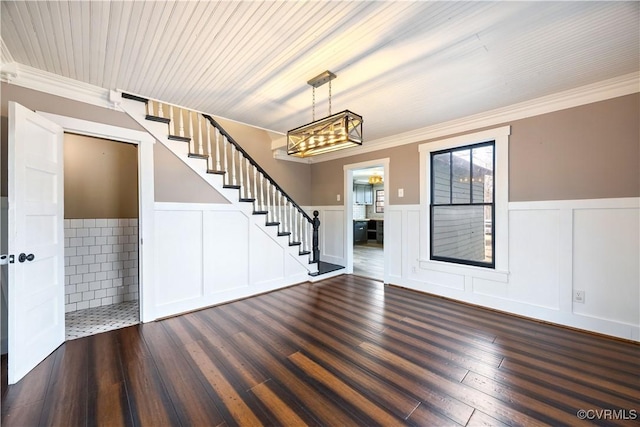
<point x="169" y="170"/>
<point x="294" y="178"/>
<point x="590" y="151"/>
<point x="175" y="182"/>
<point x="100" y="178"/>
<point x="587" y="152"/>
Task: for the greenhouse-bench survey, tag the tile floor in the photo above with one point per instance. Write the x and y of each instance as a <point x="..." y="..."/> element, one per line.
<point x="93" y="321"/>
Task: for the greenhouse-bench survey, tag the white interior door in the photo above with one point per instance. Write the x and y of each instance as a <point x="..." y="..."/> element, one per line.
<point x="36" y="240"/>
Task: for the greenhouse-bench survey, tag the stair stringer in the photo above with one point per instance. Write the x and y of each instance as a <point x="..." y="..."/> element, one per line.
<point x="159" y="131"/>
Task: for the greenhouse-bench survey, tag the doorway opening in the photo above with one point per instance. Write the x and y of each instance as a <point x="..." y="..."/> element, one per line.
<point x="101" y="212"/>
<point x="365" y="205"/>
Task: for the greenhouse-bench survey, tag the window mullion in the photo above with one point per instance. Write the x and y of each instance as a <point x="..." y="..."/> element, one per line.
<point x="450" y="177"/>
<point x="471" y="175"/>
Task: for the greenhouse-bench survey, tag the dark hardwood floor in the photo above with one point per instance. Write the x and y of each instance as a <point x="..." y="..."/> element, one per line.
<point x="346" y="351"/>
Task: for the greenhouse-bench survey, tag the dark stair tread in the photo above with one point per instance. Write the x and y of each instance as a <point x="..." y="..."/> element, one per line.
<point x="198" y="156"/>
<point x="235" y="187"/>
<point x="158" y="119"/>
<point x="268" y="224"/>
<point x="260" y="212"/>
<point x="295" y="243"/>
<point x="304" y="253"/>
<point x="134" y="97"/>
<point x="284" y="233"/>
<point x="179" y="138"/>
<point x="217" y="172"/>
<point x="325" y="267"/>
<point x="244" y="199"/>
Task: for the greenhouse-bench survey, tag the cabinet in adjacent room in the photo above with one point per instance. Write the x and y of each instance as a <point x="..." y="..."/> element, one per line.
<point x="380" y="231"/>
<point x="360" y="231"/>
<point x="363" y="194"/>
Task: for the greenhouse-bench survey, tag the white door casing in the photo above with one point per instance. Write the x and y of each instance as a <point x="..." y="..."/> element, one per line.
<point x="145" y="143"/>
<point x="35" y="226"/>
<point x="348" y="208"/>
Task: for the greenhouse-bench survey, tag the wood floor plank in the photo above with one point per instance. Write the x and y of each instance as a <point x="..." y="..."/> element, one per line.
<point x="240" y="412"/>
<point x="110" y="406"/>
<point x="568" y="400"/>
<point x="66" y="400"/>
<point x="148" y="399"/>
<point x="108" y="398"/>
<point x="453" y="388"/>
<point x="541" y="408"/>
<point x="190" y="400"/>
<point x="343" y="351"/>
<point x="439" y="404"/>
<point x="480" y="419"/>
<point x="429" y="347"/>
<point x="595" y="394"/>
<point x="424" y="416"/>
<point x="517" y="327"/>
<point x="236" y="363"/>
<point x="321" y="407"/>
<point x="32" y="388"/>
<point x="347" y="393"/>
<point x="22" y="415"/>
<point x="381" y="392"/>
<point x="284" y="413"/>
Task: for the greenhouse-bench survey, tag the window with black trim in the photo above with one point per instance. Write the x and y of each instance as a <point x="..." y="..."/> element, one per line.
<point x="379" y="201"/>
<point x="463" y="205"/>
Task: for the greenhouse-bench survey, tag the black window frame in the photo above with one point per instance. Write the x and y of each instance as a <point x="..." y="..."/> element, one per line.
<point x="379" y="201"/>
<point x="433" y="205"/>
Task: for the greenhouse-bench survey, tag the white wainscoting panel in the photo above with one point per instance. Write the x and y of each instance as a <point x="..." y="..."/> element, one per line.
<point x="226" y="265"/>
<point x="178" y="240"/>
<point x="489" y="288"/>
<point x="267" y="258"/>
<point x="554" y="247"/>
<point x="393" y="235"/>
<point x="332" y="233"/>
<point x="606" y="260"/>
<point x="332" y="221"/>
<point x="208" y="254"/>
<point x="438" y="279"/>
<point x="534" y="257"/>
<point x="292" y="267"/>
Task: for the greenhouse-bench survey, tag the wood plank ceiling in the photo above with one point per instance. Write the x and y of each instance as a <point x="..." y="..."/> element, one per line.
<point x="402" y="65"/>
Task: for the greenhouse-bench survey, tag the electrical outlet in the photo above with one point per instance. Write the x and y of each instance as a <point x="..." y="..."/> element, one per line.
<point x="337" y="197"/>
<point x="578" y="296"/>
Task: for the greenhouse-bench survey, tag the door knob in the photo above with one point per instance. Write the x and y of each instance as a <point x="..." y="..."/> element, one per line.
<point x="24" y="257"/>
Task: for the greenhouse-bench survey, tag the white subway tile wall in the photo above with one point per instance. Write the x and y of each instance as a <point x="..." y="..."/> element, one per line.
<point x="359" y="211"/>
<point x="100" y="262"/>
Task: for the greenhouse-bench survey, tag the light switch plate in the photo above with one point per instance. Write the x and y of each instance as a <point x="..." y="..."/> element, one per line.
<point x="337" y="197"/>
<point x="400" y="192"/>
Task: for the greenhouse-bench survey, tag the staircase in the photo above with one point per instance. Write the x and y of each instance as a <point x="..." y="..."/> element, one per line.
<point x="211" y="152"/>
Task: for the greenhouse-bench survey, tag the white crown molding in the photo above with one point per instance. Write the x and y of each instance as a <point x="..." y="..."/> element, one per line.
<point x="44" y="81"/>
<point x="607" y="89"/>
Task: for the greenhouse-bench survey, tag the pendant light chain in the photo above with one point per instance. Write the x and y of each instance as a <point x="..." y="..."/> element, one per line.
<point x="329" y="97"/>
<point x="313" y="110"/>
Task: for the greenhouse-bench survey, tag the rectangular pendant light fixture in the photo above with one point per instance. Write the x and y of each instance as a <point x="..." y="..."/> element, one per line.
<point x="334" y="132"/>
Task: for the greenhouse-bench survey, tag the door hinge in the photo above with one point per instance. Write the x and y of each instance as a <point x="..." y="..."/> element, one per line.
<point x="6" y="259"/>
